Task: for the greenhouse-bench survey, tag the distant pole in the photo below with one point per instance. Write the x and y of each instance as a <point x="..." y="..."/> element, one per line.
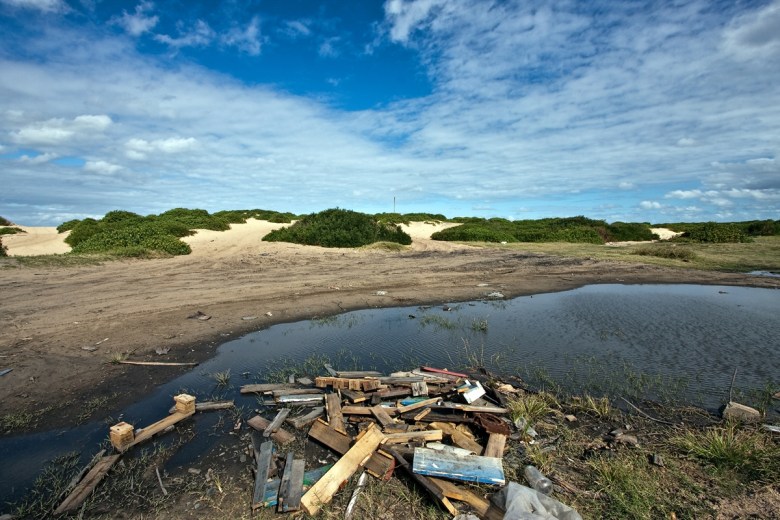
<point x="394" y="204"/>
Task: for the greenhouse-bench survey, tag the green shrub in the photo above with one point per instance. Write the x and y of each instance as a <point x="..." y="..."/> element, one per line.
<point x="338" y="228"/>
<point x="762" y="228"/>
<point x="10" y="230"/>
<point x="474" y="232"/>
<point x="132" y="239"/>
<point x="67" y="226"/>
<point x="3" y="249"/>
<point x="5" y="222"/>
<point x="630" y="231"/>
<point x="82" y="230"/>
<point x="671" y="251"/>
<point x="240" y="216"/>
<point x="406" y="218"/>
<point x="196" y="219"/>
<point x="716" y="233"/>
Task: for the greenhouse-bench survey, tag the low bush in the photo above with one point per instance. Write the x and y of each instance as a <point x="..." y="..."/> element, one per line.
<point x="716" y="233"/>
<point x="671" y="251"/>
<point x="10" y="230"/>
<point x="338" y="228"/>
<point x="475" y="232"/>
<point x="406" y="218"/>
<point x="630" y="231"/>
<point x="240" y="216"/>
<point x="132" y="241"/>
<point x="3" y="249"/>
<point x="5" y="222"/>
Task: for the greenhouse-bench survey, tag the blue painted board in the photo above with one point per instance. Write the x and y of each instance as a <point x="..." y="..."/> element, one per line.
<point x="469" y="468"/>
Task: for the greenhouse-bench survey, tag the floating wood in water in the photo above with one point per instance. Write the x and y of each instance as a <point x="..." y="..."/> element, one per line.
<point x="472" y="468"/>
<point x="266" y="387"/>
<point x="207" y="406"/>
<point x="263" y="457"/>
<point x="276" y="423"/>
<point x="281" y="435"/>
<point x="322" y="492"/>
<point x="304" y="420"/>
<point x="364" y="385"/>
<point x="335" y="417"/>
<point x="152" y="429"/>
<point x="87" y="484"/>
<point x="401" y="438"/>
<point x="158" y="363"/>
<point x="425" y="483"/>
<point x="122" y="435"/>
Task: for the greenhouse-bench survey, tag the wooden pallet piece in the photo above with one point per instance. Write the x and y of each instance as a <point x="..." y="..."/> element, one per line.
<point x="424" y="435"/>
<point x="379" y="464"/>
<point x="303" y="421"/>
<point x="495" y="445"/>
<point x="354" y="396"/>
<point x="322" y="492"/>
<point x="471" y="468"/>
<point x="263" y="457"/>
<point x="87" y="485"/>
<point x="333" y="407"/>
<point x="276" y="423"/>
<point x="280" y="436"/>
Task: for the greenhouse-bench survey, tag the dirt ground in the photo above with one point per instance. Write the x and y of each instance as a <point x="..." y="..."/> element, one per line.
<point x="61" y="325"/>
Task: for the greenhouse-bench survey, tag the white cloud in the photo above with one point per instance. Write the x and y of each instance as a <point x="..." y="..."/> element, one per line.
<point x="37" y="159"/>
<point x="328" y="49"/>
<point x="755" y="34"/>
<point x="248" y="40"/>
<point x="686" y="141"/>
<point x="58" y="130"/>
<point x="650" y="204"/>
<point x="406" y="15"/>
<point x="47" y="6"/>
<point x="101" y="167"/>
<point x="297" y="28"/>
<point x="140" y="21"/>
<point x="90" y="122"/>
<point x="136" y="148"/>
<point x="201" y="35"/>
<point x="625" y="185"/>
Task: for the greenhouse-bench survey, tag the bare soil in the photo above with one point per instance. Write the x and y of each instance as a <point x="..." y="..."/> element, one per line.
<point x="62" y="325"/>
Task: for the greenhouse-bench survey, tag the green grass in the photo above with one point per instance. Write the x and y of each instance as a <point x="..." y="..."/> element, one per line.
<point x="222" y="378"/>
<point x="628" y="488"/>
<point x="10" y="230"/>
<point x="531" y="407"/>
<point x="670" y="251"/>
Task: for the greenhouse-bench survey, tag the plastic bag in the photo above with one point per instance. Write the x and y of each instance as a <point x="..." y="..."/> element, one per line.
<point x="524" y="503"/>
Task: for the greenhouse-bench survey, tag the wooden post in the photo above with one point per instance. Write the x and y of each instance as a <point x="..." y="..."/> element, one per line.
<point x="121" y="435"/>
<point x="185" y="403"/>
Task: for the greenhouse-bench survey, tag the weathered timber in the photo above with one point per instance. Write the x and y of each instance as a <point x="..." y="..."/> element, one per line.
<point x="354" y="396"/>
<point x="271" y="496"/>
<point x="333" y="407"/>
<point x="77" y="478"/>
<point x="444" y="372"/>
<point x="261" y="476"/>
<point x="276" y="423"/>
<point x="420" y="388"/>
<point x="455" y="492"/>
<point x="382" y="416"/>
<point x="495" y="445"/>
<point x="284" y="485"/>
<point x="392" y="392"/>
<point x="158" y="363"/>
<point x="322" y="492"/>
<point x="457" y="417"/>
<point x="207" y="406"/>
<point x="363" y="385"/>
<point x="296" y="391"/>
<point x="300" y="399"/>
<point x="302" y="421"/>
<point x="379" y="464"/>
<point x="88" y="484"/>
<point x="422" y="414"/>
<point x="401" y="438"/>
<point x="472" y="468"/>
<point x="458" y="438"/>
<point x="355" y="410"/>
<point x="155" y="428"/>
<point x="472" y="408"/>
<point x="358" y="374"/>
<point x="424" y="482"/>
<point x="417" y="405"/>
<point x="293" y="501"/>
<point x="262" y="388"/>
<point x="281" y="435"/>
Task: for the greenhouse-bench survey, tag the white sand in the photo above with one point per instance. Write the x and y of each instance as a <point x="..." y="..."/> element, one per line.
<point x="36" y="241"/>
<point x="664" y="233"/>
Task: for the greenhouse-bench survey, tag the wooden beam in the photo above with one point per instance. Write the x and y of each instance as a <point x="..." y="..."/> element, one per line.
<point x="302" y="421"/>
<point x="358" y="374"/>
<point x="284" y="484"/>
<point x="293" y="501"/>
<point x="380" y="412"/>
<point x="333" y="407"/>
<point x="495" y="445"/>
<point x="380" y="464"/>
<point x="458" y="438"/>
<point x="417" y="405"/>
<point x="155" y="428"/>
<point x="296" y="391"/>
<point x="207" y="406"/>
<point x="88" y="484"/>
<point x="422" y="414"/>
<point x="281" y="435"/>
<point x="322" y="492"/>
<point x="353" y="395"/>
<point x="355" y="410"/>
<point x="261" y="476"/>
<point x="276" y="423"/>
<point x="471" y="468"/>
<point x="425" y="435"/>
<point x="363" y="385"/>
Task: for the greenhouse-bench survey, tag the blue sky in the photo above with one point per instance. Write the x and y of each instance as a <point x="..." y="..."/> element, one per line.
<point x="620" y="110"/>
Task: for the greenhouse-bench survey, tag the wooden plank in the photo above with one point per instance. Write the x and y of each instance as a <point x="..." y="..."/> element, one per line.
<point x="322" y="492"/>
<point x="455" y="492"/>
<point x="87" y="484"/>
<point x="420" y="388"/>
<point x="335" y="417"/>
<point x="281" y="435"/>
<point x="443" y="372"/>
<point x="425" y="435"/>
<point x="380" y="465"/>
<point x="284" y="484"/>
<point x="293" y="502"/>
<point x="300" y="399"/>
<point x="302" y="421"/>
<point x="425" y="483"/>
<point x="458" y="438"/>
<point x="495" y="445"/>
<point x="418" y="405"/>
<point x="382" y="416"/>
<point x="207" y="406"/>
<point x="393" y="392"/>
<point x="459" y="417"/>
<point x="262" y="388"/>
<point x="353" y="395"/>
<point x="472" y="468"/>
<point x="364" y="385"/>
<point x="276" y="423"/>
<point x="355" y="410"/>
<point x="261" y="476"/>
<point x="158" y="363"/>
<point x="152" y="429"/>
<point x="330" y="370"/>
<point x="422" y="414"/>
<point x="358" y="374"/>
<point x="271" y="496"/>
<point x="472" y="408"/>
<point x="296" y="391"/>
<point x="330" y="437"/>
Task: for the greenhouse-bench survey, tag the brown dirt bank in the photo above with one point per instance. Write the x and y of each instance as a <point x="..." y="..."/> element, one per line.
<point x="49" y="314"/>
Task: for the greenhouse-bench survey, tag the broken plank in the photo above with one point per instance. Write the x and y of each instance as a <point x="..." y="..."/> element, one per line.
<point x="296" y="391"/>
<point x="281" y="435"/>
<point x="335" y="417"/>
<point x="293" y="501"/>
<point x="276" y="423"/>
<point x="330" y="370"/>
<point x="322" y="492"/>
<point x="495" y="445"/>
<point x="425" y="483"/>
<point x="355" y="410"/>
<point x="271" y="495"/>
<point x="261" y="476"/>
<point x="458" y="438"/>
<point x="382" y="416"/>
<point x="420" y="388"/>
<point x="158" y="363"/>
<point x="455" y="492"/>
<point x="379" y="464"/>
<point x="302" y="421"/>
<point x="152" y="429"/>
<point x="422" y="414"/>
<point x="471" y="468"/>
<point x="425" y="435"/>
<point x="393" y="392"/>
<point x="353" y="395"/>
<point x="443" y="372"/>
<point x="417" y="405"/>
<point x="266" y="387"/>
<point x="300" y="399"/>
<point x="358" y="374"/>
<point x="87" y="484"/>
<point x="284" y="485"/>
<point x="207" y="406"/>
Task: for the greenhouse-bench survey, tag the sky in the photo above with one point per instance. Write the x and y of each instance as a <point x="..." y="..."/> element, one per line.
<point x="621" y="110"/>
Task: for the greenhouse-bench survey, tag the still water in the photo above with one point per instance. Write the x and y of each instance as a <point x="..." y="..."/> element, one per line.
<point x="675" y="343"/>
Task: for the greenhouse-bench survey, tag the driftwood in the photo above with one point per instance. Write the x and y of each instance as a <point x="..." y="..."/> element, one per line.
<point x="87" y="484"/>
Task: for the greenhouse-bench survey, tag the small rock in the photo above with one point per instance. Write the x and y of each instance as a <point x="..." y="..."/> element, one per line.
<point x="248" y="318"/>
<point x="627" y="439"/>
<point x="269" y="314"/>
<point x="205" y="317"/>
<point x="381" y="293"/>
<point x="161" y="351"/>
<point x="495" y="294"/>
<point x="657" y="460"/>
<point x="193" y="471"/>
<point x="570" y="418"/>
<point x="741" y="412"/>
<point x="242" y="458"/>
<point x="89" y="349"/>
